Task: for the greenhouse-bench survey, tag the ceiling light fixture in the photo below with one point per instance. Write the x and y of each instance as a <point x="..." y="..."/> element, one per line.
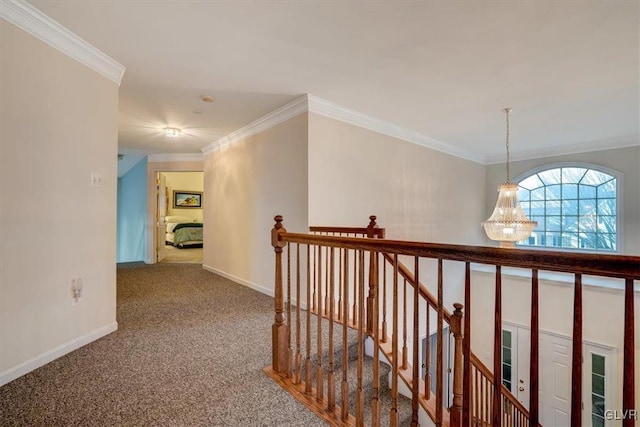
<point x="508" y="224"/>
<point x="172" y="132"/>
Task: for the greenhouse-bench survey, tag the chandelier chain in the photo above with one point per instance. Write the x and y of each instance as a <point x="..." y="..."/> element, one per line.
<point x="508" y="110"/>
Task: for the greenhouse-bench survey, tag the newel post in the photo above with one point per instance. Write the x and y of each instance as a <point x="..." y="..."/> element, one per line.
<point x="279" y="330"/>
<point x="455" y="412"/>
<point x="372" y="231"/>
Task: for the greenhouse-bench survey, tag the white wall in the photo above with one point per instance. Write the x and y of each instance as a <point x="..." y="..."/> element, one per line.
<point x="245" y="186"/>
<point x="624" y="160"/>
<point x="55" y="227"/>
<point x="417" y="193"/>
<point x="184" y="181"/>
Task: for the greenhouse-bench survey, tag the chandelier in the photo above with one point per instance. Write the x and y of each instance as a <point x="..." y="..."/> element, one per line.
<point x="508" y="224"/>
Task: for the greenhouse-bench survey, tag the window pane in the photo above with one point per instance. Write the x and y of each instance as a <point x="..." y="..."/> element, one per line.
<point x="532" y="182"/>
<point x="537" y="194"/>
<point x="587" y="207"/>
<point x="506" y="373"/>
<point x="587" y="224"/>
<point x="572" y="175"/>
<point x="608" y="189"/>
<point x="506" y="338"/>
<point x="551" y="176"/>
<point x="554" y="192"/>
<point x="553" y="208"/>
<point x="570" y="223"/>
<point x="569" y="191"/>
<point x="607" y="224"/>
<point x="597" y="421"/>
<point x="606" y="242"/>
<point x="587" y="192"/>
<point x="597" y="364"/>
<point x="554" y="223"/>
<point x="569" y="240"/>
<point x="540" y="221"/>
<point x="553" y="239"/>
<point x="569" y="207"/>
<point x="507" y="384"/>
<point x="597" y="405"/>
<point x="506" y="356"/>
<point x="594" y="177"/>
<point x="537" y="208"/>
<point x="606" y="206"/>
<point x="588" y="240"/>
<point x="597" y="384"/>
<point x="523" y="194"/>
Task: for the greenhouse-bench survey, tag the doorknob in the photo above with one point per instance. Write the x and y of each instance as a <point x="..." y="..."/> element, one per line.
<point x="520" y="388"/>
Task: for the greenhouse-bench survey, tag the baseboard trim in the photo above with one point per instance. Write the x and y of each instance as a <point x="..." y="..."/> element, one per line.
<point x="41" y="360"/>
<point x="239" y="280"/>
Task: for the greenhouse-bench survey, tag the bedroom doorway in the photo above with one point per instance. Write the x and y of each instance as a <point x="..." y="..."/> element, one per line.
<point x="179" y="217"/>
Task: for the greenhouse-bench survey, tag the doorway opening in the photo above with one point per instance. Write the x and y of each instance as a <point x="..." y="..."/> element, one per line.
<point x="179" y="217"/>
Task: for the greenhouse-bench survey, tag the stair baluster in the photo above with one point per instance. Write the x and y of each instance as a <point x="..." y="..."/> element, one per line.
<point x="331" y="390"/>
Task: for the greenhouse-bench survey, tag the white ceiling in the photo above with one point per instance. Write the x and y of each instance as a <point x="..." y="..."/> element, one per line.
<point x="569" y="69"/>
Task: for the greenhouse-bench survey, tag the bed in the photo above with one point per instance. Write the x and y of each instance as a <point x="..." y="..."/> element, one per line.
<point x="183" y="232"/>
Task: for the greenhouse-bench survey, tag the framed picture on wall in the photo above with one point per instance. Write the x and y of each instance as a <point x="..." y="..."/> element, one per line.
<point x="187" y="199"/>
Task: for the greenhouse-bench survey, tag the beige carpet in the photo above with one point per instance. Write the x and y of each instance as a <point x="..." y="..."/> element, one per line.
<point x="182" y="256"/>
<point x="189" y="351"/>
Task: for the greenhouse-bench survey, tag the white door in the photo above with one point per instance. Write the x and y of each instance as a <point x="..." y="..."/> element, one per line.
<point x="515" y="361"/>
<point x="555" y="354"/>
<point x="555" y="380"/>
<point x="161" y="213"/>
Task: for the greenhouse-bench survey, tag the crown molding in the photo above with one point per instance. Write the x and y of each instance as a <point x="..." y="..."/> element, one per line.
<point x="31" y="20"/>
<point x="313" y="104"/>
<point x="274" y="118"/>
<point x="174" y="157"/>
<point x="585" y="147"/>
<point x="329" y="109"/>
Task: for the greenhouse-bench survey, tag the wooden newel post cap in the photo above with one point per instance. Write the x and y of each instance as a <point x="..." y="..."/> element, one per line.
<point x="458" y="309"/>
<point x="275" y="232"/>
<point x="372" y="219"/>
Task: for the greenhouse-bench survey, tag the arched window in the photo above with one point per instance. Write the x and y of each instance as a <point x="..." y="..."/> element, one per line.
<point x="575" y="207"/>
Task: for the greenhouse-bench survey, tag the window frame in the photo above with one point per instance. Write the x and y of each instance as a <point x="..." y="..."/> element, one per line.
<point x="619" y="203"/>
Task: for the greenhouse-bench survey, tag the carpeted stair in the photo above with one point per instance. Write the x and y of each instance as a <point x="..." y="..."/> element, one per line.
<point x="404" y="404"/>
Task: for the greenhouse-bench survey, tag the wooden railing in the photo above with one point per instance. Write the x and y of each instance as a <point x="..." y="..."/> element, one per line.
<point x="341" y="276"/>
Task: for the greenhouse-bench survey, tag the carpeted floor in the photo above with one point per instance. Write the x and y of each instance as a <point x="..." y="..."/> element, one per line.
<point x="189" y="352"/>
<point x="182" y="255"/>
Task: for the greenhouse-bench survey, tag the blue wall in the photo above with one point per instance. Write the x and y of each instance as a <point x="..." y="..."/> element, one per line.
<point x="132" y="214"/>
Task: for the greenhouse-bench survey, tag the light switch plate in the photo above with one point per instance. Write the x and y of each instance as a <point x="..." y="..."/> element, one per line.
<point x="96" y="179"/>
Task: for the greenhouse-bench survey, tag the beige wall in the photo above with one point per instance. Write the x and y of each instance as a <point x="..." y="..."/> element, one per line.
<point x="152" y="198"/>
<point x="59" y="125"/>
<point x="417" y="193"/>
<point x="245" y="186"/>
<point x="623" y="160"/>
<point x="184" y="181"/>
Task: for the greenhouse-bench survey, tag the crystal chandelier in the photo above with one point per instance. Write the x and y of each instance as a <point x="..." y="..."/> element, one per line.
<point x="508" y="224"/>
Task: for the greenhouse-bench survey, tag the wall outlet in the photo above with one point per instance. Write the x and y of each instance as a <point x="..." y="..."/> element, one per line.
<point x="96" y="179"/>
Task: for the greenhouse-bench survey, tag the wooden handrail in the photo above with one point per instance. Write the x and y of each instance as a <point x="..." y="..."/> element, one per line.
<point x="424" y="292"/>
<point x="372" y="230"/>
<point x="486" y="372"/>
<point x="616" y="266"/>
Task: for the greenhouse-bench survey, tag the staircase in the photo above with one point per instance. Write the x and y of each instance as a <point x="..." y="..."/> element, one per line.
<point x="339" y="286"/>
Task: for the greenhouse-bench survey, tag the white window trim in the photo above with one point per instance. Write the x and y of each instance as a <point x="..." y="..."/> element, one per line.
<point x="619" y="213"/>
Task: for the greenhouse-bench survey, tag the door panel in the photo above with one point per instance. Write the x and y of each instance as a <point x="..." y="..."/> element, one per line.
<point x="161" y="194"/>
